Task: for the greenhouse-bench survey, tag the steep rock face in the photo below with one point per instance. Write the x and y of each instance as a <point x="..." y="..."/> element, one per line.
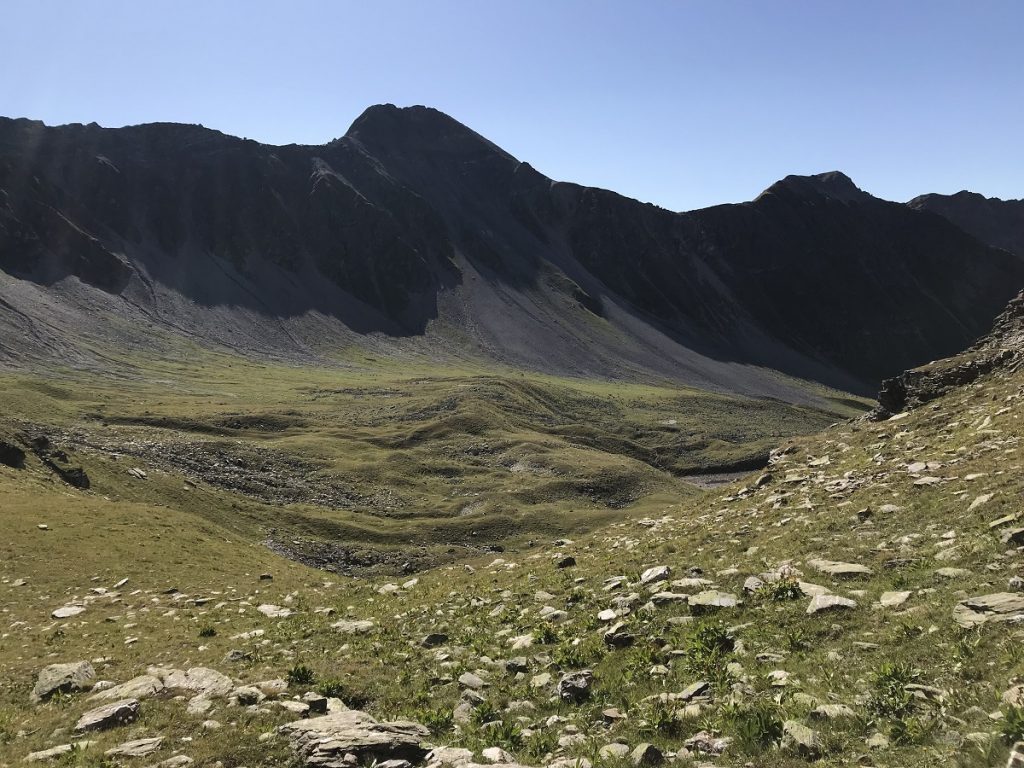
<point x="413" y="224"/>
<point x="998" y="223"/>
<point x="1001" y="349"/>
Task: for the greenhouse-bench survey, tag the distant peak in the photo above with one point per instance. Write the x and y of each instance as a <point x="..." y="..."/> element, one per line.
<point x="833" y="184"/>
<point x="415" y="127"/>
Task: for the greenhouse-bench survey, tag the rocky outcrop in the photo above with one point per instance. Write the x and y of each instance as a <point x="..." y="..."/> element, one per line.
<point x="329" y="740"/>
<point x="1001" y="349"/>
<point x="1001" y="607"/>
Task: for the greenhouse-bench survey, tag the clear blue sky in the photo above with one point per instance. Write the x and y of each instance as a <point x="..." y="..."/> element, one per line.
<point x="683" y="104"/>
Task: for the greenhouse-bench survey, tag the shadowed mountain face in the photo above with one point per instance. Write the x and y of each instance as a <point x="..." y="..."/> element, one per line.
<point x="999" y="223"/>
<point x="415" y="227"/>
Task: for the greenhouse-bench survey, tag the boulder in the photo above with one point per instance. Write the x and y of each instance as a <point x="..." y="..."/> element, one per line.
<point x="63" y="678"/>
<point x="109" y="716"/>
<point x="1001" y="607"/>
<point x="136" y="688"/>
<point x="574" y="687"/>
<point x="198" y="680"/>
<point x="325" y="741"/>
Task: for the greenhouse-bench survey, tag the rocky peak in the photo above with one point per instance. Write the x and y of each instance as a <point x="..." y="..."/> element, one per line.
<point x="832" y="184"/>
<point x="417" y="128"/>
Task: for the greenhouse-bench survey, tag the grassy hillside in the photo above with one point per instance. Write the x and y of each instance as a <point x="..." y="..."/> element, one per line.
<point x="924" y="505"/>
<point x="375" y="464"/>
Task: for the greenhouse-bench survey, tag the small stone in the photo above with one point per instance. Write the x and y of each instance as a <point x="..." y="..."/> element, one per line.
<point x="617" y="637"/>
<point x="695" y="690"/>
<point x="821" y="603"/>
<point x="979" y="500"/>
<point x="655" y="574"/>
<point x="832" y="712"/>
<point x="274" y="611"/>
<point x="434" y="639"/>
<point x="199" y="705"/>
<point x="893" y="599"/>
<point x="566" y="562"/>
<point x="877" y="741"/>
<point x="496" y="755"/>
<point x="248" y="695"/>
<point x="707" y="744"/>
<point x="574" y="687"/>
<point x="646" y="754"/>
<point x="471" y="681"/>
<point x="615" y="750"/>
<point x="839" y="570"/>
<point x="347" y="627"/>
<point x="712" y="599"/>
<point x="543" y="680"/>
<point x="67" y="611"/>
<point x="801" y="739"/>
<point x="1014" y="696"/>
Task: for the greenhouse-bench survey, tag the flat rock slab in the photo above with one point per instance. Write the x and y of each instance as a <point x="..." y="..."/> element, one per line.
<point x="199" y="680"/>
<point x="54" y="752"/>
<point x="655" y="574"/>
<point x="893" y="599"/>
<point x="1001" y="607"/>
<point x="839" y="570"/>
<point x="109" y="716"/>
<point x="63" y="678"/>
<point x="274" y="611"/>
<point x="346" y="627"/>
<point x="712" y="598"/>
<point x="821" y="603"/>
<point x="324" y="741"/>
<point x="67" y="611"/>
<point x="136" y="748"/>
<point x="136" y="688"/>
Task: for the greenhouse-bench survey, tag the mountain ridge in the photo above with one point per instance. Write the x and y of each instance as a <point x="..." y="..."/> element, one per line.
<point x="413" y="226"/>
